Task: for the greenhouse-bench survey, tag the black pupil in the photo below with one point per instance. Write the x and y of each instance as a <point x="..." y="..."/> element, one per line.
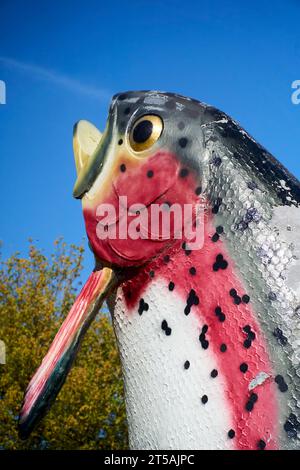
<point x="142" y="131"/>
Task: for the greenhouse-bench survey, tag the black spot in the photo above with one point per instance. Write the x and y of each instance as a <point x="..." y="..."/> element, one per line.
<point x="215" y="237"/>
<point x="251" y="215"/>
<point x="223" y="264"/>
<point x="214" y="373"/>
<point x="272" y="296"/>
<point x="232" y="292"/>
<point x="247" y="328"/>
<point x="120" y="142"/>
<point x="171" y="286"/>
<point x="183" y="142"/>
<point x="198" y="190"/>
<point x="151" y="273"/>
<point x="216" y="161"/>
<point x="251" y="335"/>
<point x="202" y="339"/>
<point x="245" y="299"/>
<point x="216" y="206"/>
<point x="261" y="444"/>
<point x="231" y="433"/>
<point x="252" y="400"/>
<point x="143" y="306"/>
<point x="242" y="225"/>
<point x="283" y="387"/>
<point x="150" y="173"/>
<point x="183" y="172"/>
<point x="181" y="125"/>
<point x="252" y="185"/>
<point x="126" y="111"/>
<point x="247" y="343"/>
<point x="166" y="328"/>
<point x="223" y="347"/>
<point x="249" y="406"/>
<point x="292" y="426"/>
<point x="237" y="300"/>
<point x="221" y="316"/>
<point x="204" y="399"/>
<point x="186" y="364"/>
<point x="219" y="229"/>
<point x="243" y="367"/>
<point x="192" y="271"/>
<point x="280" y="336"/>
<point x="220" y="263"/>
<point x="253" y="397"/>
<point x="187" y="309"/>
<point x="123" y="168"/>
<point x="279" y="379"/>
<point x="166" y="258"/>
<point x="192" y="299"/>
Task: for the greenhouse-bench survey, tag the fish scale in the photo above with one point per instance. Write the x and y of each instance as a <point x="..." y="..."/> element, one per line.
<point x="209" y="339"/>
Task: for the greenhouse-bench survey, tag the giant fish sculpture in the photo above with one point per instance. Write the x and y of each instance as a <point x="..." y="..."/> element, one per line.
<point x="208" y="330"/>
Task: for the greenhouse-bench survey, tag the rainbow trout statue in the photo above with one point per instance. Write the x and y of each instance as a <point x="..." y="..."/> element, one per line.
<point x="207" y="319"/>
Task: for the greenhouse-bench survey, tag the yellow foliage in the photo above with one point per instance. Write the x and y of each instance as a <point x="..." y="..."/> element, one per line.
<point x="36" y="294"/>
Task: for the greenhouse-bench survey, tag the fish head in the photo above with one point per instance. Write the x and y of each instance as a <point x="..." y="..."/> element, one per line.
<point x="152" y="152"/>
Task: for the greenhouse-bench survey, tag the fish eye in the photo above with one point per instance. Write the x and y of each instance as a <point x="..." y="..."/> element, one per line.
<point x="145" y="131"/>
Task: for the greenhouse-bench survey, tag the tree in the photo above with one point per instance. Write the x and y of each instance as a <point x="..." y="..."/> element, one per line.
<point x="36" y="294"/>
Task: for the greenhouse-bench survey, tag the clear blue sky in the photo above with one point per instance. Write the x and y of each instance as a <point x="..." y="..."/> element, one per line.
<point x="62" y="61"/>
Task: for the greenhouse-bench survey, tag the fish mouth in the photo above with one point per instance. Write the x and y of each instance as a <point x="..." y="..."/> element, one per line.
<point x="91" y="151"/>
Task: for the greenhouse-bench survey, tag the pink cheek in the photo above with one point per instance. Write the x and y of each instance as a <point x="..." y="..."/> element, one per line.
<point x="145" y="182"/>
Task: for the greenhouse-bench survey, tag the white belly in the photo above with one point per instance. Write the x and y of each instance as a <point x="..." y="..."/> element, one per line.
<point x="163" y="399"/>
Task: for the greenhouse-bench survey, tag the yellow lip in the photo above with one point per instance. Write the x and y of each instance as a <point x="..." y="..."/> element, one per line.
<point x="86" y="138"/>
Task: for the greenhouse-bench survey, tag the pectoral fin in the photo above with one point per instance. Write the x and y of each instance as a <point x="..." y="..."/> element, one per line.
<point x="51" y="375"/>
